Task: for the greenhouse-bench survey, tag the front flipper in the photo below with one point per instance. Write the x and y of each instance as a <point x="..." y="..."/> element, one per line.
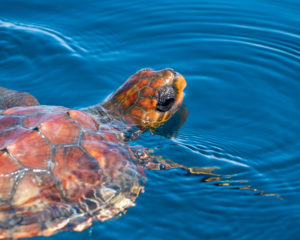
<point x="11" y="98"/>
<point x="152" y="162"/>
<point x="158" y="163"/>
<point x="148" y="160"/>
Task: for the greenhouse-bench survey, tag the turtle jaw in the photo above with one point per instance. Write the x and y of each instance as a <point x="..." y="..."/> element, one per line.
<point x="180" y="85"/>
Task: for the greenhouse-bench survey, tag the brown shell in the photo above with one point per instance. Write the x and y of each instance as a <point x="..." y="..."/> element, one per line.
<point x="60" y="171"/>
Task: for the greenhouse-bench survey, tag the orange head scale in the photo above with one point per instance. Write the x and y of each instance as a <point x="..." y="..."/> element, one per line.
<point x="148" y="98"/>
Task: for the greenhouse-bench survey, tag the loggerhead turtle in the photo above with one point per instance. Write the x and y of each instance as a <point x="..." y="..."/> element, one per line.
<point x="61" y="168"/>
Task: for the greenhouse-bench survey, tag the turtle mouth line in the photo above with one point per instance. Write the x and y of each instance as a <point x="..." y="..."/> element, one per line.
<point x="179" y="85"/>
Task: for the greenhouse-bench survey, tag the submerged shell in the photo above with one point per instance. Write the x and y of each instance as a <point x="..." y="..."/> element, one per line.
<point x="60" y="170"/>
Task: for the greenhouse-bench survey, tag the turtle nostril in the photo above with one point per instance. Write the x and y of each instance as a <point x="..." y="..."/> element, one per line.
<point x="176" y="74"/>
<point x="173" y="71"/>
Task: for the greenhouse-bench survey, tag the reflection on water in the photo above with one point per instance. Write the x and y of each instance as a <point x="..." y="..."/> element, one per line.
<point x="241" y="63"/>
<point x="172" y="126"/>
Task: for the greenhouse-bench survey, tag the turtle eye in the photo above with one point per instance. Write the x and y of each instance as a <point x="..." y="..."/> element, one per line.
<point x="166" y="98"/>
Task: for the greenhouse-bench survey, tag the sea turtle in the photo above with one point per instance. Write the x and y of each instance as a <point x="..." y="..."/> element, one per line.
<point x="61" y="168"/>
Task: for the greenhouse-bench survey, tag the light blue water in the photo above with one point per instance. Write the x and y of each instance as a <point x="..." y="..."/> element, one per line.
<point x="241" y="62"/>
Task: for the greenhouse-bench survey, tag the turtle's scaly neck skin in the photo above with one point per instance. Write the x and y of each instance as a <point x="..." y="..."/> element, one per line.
<point x="145" y="101"/>
<point x="128" y="131"/>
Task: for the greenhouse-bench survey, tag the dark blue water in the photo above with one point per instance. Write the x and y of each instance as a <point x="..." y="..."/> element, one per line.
<point x="241" y="60"/>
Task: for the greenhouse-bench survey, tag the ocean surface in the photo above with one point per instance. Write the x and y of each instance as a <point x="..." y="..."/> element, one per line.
<point x="241" y="60"/>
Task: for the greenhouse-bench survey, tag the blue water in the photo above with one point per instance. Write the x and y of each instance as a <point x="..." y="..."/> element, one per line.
<point x="241" y="60"/>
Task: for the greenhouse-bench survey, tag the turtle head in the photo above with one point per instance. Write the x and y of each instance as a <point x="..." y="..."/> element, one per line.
<point x="148" y="98"/>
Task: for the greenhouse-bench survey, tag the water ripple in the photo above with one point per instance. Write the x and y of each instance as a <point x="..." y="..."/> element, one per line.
<point x="241" y="62"/>
<point x="40" y="36"/>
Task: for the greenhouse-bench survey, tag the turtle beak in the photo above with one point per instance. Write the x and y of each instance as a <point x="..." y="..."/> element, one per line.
<point x="179" y="86"/>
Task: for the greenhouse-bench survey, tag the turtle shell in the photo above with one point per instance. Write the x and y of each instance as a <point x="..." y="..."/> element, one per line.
<point x="60" y="170"/>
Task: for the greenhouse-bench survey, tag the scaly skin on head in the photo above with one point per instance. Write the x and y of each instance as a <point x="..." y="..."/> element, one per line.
<point x="148" y="98"/>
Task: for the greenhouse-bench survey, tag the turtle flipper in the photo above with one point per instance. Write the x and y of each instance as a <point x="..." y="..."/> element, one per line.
<point x="10" y="98"/>
<point x="159" y="163"/>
